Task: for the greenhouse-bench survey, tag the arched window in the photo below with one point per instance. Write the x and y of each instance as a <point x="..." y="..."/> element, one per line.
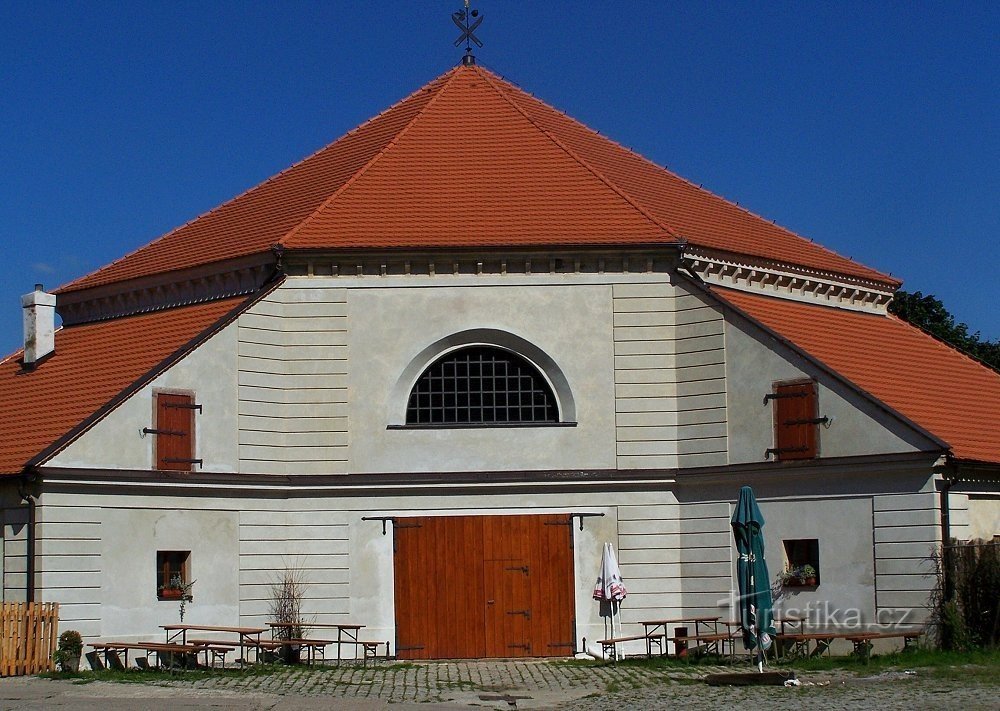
<point x="481" y="385"/>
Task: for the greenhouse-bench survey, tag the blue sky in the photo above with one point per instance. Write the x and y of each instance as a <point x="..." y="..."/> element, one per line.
<point x="871" y="128"/>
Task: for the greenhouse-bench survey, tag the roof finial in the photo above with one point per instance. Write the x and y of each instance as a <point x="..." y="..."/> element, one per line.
<point x="467" y="21"/>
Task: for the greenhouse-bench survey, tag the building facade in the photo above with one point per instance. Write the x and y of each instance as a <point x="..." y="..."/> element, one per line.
<point x="437" y="417"/>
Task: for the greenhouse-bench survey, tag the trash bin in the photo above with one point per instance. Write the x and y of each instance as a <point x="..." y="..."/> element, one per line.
<point x="680" y="646"/>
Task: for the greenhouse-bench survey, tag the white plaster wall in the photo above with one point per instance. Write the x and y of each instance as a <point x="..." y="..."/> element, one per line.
<point x="116" y="441"/>
<point x="754" y="361"/>
<point x="843" y="527"/>
<point x="389" y="327"/>
<point x="13" y="547"/>
<point x="984" y="516"/>
<point x="131" y="537"/>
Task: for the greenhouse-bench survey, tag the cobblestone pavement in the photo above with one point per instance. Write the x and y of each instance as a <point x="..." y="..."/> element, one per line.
<point x="529" y="684"/>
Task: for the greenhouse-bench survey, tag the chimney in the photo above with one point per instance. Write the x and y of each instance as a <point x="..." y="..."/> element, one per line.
<point x="39" y="325"/>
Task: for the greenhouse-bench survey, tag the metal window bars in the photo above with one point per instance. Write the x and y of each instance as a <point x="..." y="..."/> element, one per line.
<point x="481" y="386"/>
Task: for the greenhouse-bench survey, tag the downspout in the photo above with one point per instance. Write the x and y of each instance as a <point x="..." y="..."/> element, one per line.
<point x="946" y="551"/>
<point x="27" y="479"/>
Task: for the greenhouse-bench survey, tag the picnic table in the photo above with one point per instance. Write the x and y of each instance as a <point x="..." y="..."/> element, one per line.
<point x="249" y="637"/>
<point x="862" y="641"/>
<point x="347" y="633"/>
<point x="796" y="634"/>
<point x="708" y="622"/>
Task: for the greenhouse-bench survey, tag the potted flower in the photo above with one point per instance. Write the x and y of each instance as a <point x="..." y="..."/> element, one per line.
<point x="789" y="577"/>
<point x="168" y="592"/>
<point x="67" y="655"/>
<point x="807" y="575"/>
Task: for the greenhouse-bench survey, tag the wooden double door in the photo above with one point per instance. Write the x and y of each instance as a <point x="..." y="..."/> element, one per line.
<point x="470" y="587"/>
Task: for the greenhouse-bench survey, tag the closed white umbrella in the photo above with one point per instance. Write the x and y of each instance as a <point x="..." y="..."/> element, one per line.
<point x="610" y="589"/>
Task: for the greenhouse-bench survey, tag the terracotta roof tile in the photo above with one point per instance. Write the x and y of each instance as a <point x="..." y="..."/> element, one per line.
<point x="91" y="365"/>
<point x="470" y="160"/>
<point x="947" y="393"/>
<point x="259" y="218"/>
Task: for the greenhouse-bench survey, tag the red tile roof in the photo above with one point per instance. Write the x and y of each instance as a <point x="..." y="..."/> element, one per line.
<point x="950" y="395"/>
<point x="470" y="160"/>
<point x="92" y="364"/>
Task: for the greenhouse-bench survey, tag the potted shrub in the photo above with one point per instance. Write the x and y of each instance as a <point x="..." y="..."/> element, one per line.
<point x="67" y="655"/>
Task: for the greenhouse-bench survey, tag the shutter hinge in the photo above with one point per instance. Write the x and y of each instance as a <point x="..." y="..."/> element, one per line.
<point x="782" y="450"/>
<point x="809" y="421"/>
<point x="182" y="406"/>
<point x="181" y="460"/>
<point x="153" y="430"/>
<point x="782" y="396"/>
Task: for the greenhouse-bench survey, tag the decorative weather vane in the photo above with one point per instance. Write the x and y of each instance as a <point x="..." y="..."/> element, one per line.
<point x="467" y="20"/>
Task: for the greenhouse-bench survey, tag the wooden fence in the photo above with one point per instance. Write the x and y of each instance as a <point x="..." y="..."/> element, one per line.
<point x="27" y="637"/>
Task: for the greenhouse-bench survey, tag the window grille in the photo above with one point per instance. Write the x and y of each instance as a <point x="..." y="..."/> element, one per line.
<point x="481" y="386"/>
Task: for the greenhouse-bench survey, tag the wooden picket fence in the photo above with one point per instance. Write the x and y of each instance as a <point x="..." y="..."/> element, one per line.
<point x="27" y="637"/>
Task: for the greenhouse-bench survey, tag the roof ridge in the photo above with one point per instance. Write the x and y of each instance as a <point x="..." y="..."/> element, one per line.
<point x="641" y="209"/>
<point x="266" y="181"/>
<point x="697" y="186"/>
<point x="450" y="74"/>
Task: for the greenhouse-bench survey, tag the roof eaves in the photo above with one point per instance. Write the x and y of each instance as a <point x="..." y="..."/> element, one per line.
<point x="720" y="297"/>
<point x="102" y="412"/>
<point x="489" y="77"/>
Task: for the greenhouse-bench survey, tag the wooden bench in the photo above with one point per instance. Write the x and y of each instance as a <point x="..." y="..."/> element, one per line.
<point x="370" y="649"/>
<point x="798" y="642"/>
<point x="708" y="643"/>
<point x="347" y="634"/>
<point x="862" y="641"/>
<point x="215" y="649"/>
<point x="163" y="652"/>
<point x="313" y="647"/>
<point x="609" y="647"/>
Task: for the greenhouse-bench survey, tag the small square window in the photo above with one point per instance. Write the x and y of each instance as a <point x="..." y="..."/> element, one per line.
<point x="173" y="572"/>
<point x="801" y="562"/>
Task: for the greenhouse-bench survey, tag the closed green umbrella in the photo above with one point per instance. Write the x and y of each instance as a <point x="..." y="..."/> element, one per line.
<point x="756" y="618"/>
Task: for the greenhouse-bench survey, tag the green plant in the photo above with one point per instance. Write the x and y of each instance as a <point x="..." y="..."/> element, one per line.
<point x="791" y="576"/>
<point x="178" y="590"/>
<point x="807" y="571"/>
<point x="966" y="599"/>
<point x="70" y="647"/>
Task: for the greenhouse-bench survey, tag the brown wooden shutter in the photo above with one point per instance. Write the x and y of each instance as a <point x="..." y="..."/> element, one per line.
<point x="795" y="425"/>
<point x="174" y="431"/>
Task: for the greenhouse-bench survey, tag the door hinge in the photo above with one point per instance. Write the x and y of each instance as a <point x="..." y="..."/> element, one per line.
<point x="526" y="613"/>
